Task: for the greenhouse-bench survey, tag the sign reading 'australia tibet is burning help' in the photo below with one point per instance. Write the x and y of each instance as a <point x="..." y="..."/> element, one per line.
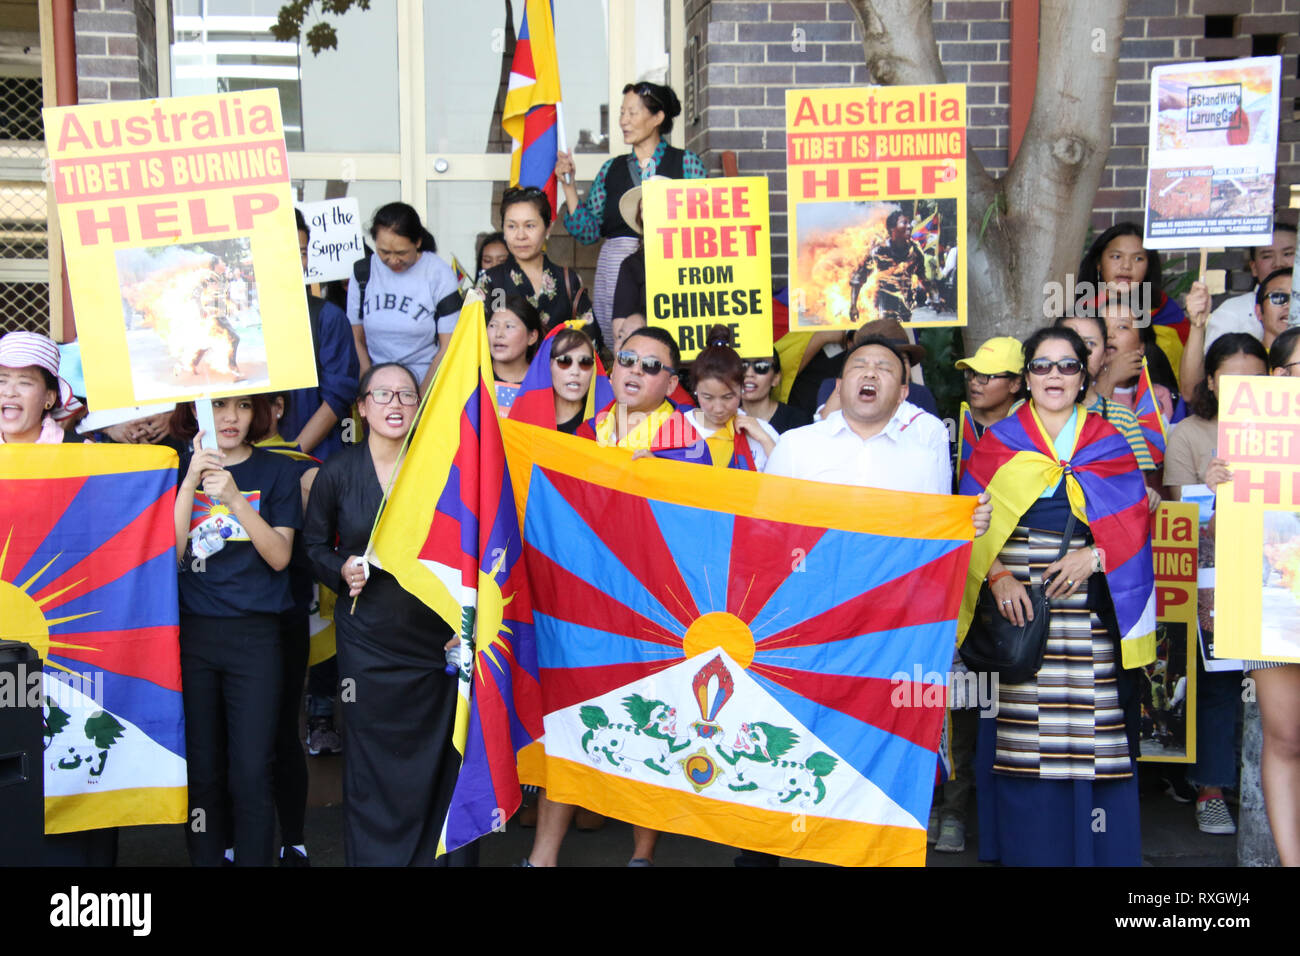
<point x="877" y="187"/>
<point x="1213" y="154"/>
<point x="182" y="247"/>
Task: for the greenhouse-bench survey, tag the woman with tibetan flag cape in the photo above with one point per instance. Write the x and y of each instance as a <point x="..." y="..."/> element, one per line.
<point x="565" y="383"/>
<point x="1064" y="742"/>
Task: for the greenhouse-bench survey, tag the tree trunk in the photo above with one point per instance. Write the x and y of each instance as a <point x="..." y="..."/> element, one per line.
<point x="1033" y="221"/>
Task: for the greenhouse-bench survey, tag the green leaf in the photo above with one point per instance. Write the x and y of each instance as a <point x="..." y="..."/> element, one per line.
<point x="103" y="729"/>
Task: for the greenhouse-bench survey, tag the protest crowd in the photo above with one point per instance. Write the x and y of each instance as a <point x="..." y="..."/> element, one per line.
<point x="1068" y="441"/>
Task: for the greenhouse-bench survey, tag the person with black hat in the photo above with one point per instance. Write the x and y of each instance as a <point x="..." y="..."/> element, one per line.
<point x="646" y="117"/>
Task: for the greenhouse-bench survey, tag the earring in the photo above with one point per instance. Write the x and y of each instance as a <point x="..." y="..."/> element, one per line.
<point x="48" y="406"/>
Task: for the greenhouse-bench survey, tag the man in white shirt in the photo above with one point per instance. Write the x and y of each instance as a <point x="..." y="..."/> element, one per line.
<point x="1238" y="313"/>
<point x="876" y="439"/>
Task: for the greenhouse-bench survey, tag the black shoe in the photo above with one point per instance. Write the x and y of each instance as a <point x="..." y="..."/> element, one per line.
<point x="292" y="856"/>
<point x="1179" y="790"/>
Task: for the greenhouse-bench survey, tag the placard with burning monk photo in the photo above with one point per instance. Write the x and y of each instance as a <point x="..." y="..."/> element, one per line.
<point x="182" y="249"/>
<point x="877" y="199"/>
<point x="192" y="317"/>
<point x="862" y="261"/>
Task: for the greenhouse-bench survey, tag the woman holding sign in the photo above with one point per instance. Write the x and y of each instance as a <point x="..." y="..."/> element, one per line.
<point x="646" y="117"/>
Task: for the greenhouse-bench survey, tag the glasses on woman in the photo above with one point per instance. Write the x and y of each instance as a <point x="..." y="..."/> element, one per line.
<point x="649" y="364"/>
<point x="1066" y="366"/>
<point x="564" y="361"/>
<point x="384" y="396"/>
<point x="979" y="378"/>
<point x="760" y="366"/>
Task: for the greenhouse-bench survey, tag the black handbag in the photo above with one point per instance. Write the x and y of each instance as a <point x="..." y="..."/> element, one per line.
<point x="1013" y="651"/>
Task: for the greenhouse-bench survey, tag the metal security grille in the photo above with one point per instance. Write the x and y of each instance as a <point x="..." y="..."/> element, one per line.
<point x="25" y="305"/>
<point x="22" y="221"/>
<point x="21" y="117"/>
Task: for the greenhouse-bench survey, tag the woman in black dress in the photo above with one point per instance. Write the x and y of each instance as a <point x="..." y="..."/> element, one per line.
<point x="398" y="701"/>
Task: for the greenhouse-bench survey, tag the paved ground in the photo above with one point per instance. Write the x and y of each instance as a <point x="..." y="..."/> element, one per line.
<point x="1170" y="837"/>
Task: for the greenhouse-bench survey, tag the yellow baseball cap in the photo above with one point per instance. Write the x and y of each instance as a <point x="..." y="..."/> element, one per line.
<point x="1001" y="354"/>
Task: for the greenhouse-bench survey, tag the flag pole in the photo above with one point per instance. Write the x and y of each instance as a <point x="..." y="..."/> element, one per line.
<point x="560" y="136"/>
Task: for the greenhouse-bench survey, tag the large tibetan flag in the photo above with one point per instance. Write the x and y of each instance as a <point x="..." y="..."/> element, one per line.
<point x="1147" y="411"/>
<point x="529" y="115"/>
<point x="88" y="579"/>
<point x="753" y="660"/>
<point x="448" y="534"/>
<point x="1015" y="462"/>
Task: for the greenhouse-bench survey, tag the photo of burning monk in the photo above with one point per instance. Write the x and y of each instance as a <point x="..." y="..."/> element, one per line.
<point x="192" y="318"/>
<point x="861" y="261"/>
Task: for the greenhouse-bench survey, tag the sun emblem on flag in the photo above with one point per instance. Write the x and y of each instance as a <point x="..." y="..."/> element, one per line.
<point x="24" y="615"/>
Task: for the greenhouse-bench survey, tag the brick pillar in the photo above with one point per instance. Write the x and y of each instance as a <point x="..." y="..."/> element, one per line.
<point x="117" y="55"/>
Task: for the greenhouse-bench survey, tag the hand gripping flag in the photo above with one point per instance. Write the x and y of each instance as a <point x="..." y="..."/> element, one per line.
<point x="448" y="533"/>
<point x="1015" y="461"/>
<point x="725" y="654"/>
<point x="1147" y="411"/>
<point x="88" y="579"/>
<point x="530" y="114"/>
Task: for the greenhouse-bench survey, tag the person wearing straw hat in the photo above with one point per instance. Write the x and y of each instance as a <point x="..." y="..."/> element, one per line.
<point x="646" y="118"/>
<point x="628" y="310"/>
<point x="33" y="398"/>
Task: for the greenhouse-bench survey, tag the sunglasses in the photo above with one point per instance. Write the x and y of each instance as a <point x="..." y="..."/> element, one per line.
<point x="1066" y="366"/>
<point x="384" y="396"/>
<point x="649" y="364"/>
<point x="979" y="378"/>
<point x="760" y="366"/>
<point x="1279" y="297"/>
<point x="564" y="361"/>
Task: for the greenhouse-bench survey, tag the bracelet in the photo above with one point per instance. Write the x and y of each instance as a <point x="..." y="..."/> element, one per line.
<point x="999" y="576"/>
<point x="1096" y="561"/>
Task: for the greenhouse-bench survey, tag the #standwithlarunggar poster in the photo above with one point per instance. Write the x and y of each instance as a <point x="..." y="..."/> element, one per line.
<point x="1213" y="153"/>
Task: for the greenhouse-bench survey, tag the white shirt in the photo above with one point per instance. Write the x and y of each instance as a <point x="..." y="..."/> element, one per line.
<point x="1235" y="315"/>
<point x="909" y="454"/>
<point x="760" y="457"/>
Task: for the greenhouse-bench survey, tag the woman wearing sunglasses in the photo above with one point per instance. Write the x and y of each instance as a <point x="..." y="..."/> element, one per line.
<point x="1063" y="743"/>
<point x="646" y="117"/>
<point x="758" y="395"/>
<point x="564" y="384"/>
<point x="399" y="704"/>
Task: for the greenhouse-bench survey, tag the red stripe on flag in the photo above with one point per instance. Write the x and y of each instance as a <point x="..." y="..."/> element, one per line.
<point x="523" y="59"/>
<point x="495" y="723"/>
<point x="32" y="508"/>
<point x="564" y="687"/>
<point x="140" y="652"/>
<point x="753" y="575"/>
<point x="868" y="699"/>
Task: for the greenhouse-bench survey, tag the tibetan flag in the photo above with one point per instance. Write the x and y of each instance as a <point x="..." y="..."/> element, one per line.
<point x="535" y="403"/>
<point x="448" y="533"/>
<point x="529" y="114"/>
<point x="464" y="279"/>
<point x="722" y="651"/>
<point x="88" y="579"/>
<point x="926" y="232"/>
<point x="1015" y="462"/>
<point x="1148" y="415"/>
<point x="966" y="438"/>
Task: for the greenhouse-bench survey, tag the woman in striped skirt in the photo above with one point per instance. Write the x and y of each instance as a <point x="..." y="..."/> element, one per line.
<point x="1054" y="770"/>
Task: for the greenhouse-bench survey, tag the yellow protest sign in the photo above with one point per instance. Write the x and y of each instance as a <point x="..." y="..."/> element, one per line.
<point x="877" y="198"/>
<point x="708" y="261"/>
<point x="1169" y="687"/>
<point x="1257" y="581"/>
<point x="182" y="247"/>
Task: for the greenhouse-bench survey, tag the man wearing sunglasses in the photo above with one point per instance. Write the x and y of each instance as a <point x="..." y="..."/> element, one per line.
<point x="641" y="417"/>
<point x="1237" y="314"/>
<point x="1273" y="305"/>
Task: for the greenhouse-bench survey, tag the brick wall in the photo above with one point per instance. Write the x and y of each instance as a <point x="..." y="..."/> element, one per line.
<point x="750" y="54"/>
<point x="117" y="55"/>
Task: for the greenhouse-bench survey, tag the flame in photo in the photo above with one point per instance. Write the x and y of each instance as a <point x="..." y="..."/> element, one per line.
<point x="187" y="304"/>
<point x="827" y="260"/>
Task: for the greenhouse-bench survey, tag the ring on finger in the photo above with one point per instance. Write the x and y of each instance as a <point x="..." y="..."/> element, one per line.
<point x="1069" y="583"/>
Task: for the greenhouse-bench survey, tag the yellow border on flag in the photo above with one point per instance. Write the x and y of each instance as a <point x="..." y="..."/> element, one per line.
<point x="76" y="461"/>
<point x="131" y="807"/>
